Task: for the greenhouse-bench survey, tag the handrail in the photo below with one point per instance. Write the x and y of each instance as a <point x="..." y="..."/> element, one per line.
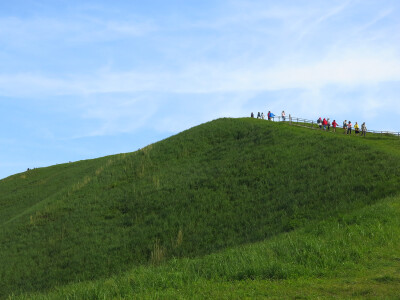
<point x="297" y="120"/>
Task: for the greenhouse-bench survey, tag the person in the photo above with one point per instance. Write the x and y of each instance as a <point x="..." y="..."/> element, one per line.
<point x="319" y="122"/>
<point x="269" y="115"/>
<point x="334" y="124"/>
<point x="283" y="115"/>
<point x="345" y="126"/>
<point x="356" y="128"/>
<point x="324" y="123"/>
<point x="328" y="123"/>
<point x="349" y="127"/>
<point x="272" y="115"/>
<point x="262" y="116"/>
<point x="252" y="115"/>
<point x="258" y="115"/>
<point x="363" y="129"/>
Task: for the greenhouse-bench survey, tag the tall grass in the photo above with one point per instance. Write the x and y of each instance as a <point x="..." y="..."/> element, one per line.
<point x="349" y="245"/>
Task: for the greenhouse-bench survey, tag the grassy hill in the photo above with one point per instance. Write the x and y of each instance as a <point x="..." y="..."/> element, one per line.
<point x="228" y="201"/>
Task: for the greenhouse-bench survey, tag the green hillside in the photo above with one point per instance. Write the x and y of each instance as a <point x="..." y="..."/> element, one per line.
<point x="356" y="256"/>
<point x="201" y="196"/>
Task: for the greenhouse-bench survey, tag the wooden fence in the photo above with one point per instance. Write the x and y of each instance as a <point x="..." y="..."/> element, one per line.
<point x="314" y="125"/>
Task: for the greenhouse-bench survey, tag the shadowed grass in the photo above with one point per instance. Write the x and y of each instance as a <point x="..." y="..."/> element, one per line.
<point x="355" y="256"/>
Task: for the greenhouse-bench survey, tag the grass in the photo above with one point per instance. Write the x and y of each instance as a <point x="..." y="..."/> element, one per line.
<point x="354" y="256"/>
<point x="246" y="187"/>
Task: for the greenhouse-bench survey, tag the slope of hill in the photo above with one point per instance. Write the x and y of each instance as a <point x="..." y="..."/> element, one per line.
<point x="355" y="256"/>
<point x="221" y="184"/>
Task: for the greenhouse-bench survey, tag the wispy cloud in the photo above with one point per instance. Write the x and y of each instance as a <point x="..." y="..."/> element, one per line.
<point x="380" y="16"/>
<point x="319" y="16"/>
<point x="124" y="115"/>
<point x="20" y="32"/>
<point x="357" y="67"/>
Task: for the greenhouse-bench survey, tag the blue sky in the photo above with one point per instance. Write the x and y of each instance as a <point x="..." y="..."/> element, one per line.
<point x="84" y="79"/>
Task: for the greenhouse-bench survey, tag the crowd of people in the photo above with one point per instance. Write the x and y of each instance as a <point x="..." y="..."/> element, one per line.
<point x="270" y="115"/>
<point x="324" y="124"/>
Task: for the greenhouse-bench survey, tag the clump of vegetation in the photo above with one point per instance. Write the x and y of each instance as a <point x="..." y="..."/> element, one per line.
<point x="219" y="185"/>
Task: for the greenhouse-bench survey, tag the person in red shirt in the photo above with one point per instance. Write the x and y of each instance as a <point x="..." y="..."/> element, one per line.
<point x="334" y="124"/>
<point x="324" y="123"/>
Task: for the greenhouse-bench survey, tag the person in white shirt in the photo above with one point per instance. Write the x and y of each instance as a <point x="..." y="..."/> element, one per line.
<point x="363" y="129"/>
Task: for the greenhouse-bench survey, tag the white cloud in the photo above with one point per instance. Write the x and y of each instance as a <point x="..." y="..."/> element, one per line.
<point x="355" y="68"/>
<point x="18" y="32"/>
<point x="348" y="71"/>
<point x="321" y="16"/>
<point x="116" y="113"/>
